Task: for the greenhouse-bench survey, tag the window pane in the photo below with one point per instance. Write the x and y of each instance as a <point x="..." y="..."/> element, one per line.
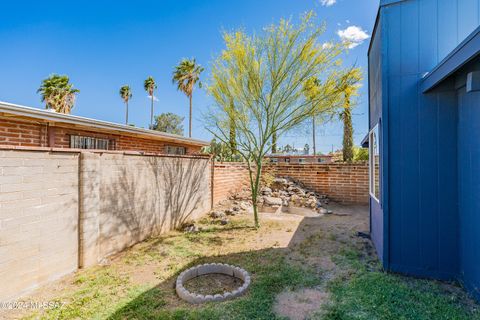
<point x="374" y="163"/>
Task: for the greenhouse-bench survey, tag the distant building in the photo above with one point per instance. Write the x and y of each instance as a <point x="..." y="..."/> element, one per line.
<point x="290" y="158"/>
<point x="25" y="127"/>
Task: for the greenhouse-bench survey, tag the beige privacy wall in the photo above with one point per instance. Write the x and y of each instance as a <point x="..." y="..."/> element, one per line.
<point x="128" y="198"/>
<point x="38" y="219"/>
<point x="119" y="200"/>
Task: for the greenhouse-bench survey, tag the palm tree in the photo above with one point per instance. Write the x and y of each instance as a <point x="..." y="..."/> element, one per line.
<point x="149" y="85"/>
<point x="58" y="93"/>
<point x="126" y="95"/>
<point x="186" y="75"/>
<point x="350" y="89"/>
<point x="311" y="90"/>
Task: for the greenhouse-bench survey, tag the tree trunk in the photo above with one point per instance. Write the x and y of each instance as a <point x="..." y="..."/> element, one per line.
<point x="274" y="142"/>
<point x="233" y="133"/>
<point x="126" y="113"/>
<point x="313" y="136"/>
<point x="151" y="114"/>
<point x="255" y="188"/>
<point x="347" y="131"/>
<point x="190" y="119"/>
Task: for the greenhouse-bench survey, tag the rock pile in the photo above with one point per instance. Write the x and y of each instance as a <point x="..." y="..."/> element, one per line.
<point x="290" y="193"/>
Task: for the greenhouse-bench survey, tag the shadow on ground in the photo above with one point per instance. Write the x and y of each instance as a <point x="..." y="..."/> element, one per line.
<point x="304" y="262"/>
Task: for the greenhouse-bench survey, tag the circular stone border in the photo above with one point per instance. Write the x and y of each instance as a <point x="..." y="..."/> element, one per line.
<point x="210" y="268"/>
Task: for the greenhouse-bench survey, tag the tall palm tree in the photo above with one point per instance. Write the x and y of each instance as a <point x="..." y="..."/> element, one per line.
<point x="350" y="90"/>
<point x="150" y="86"/>
<point x="186" y="75"/>
<point x="126" y="95"/>
<point x="58" y="93"/>
<point x="311" y="90"/>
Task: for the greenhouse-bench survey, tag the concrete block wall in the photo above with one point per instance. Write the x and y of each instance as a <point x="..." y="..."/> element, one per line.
<point x="38" y="219"/>
<point x="63" y="210"/>
<point x="138" y="196"/>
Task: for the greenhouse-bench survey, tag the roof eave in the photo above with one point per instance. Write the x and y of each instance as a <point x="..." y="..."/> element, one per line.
<point x="18" y="110"/>
<point x="465" y="52"/>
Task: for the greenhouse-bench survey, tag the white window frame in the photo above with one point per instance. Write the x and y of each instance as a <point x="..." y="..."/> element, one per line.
<point x="371" y="161"/>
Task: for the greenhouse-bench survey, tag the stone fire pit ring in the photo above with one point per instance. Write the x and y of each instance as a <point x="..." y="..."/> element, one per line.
<point x="211" y="268"/>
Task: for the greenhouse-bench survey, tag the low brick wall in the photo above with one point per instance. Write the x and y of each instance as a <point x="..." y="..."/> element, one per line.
<point x="342" y="182"/>
<point x="229" y="177"/>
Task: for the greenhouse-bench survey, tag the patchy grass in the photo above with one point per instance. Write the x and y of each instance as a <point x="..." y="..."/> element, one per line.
<point x="365" y="292"/>
<point x="285" y="255"/>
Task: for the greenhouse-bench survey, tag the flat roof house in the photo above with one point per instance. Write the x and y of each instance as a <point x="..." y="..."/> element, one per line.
<point x="424" y="140"/>
<point x="25" y="127"/>
<point x="290" y="158"/>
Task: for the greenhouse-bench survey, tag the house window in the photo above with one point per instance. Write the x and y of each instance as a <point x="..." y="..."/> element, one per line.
<point x="273" y="160"/>
<point x="321" y="160"/>
<point x="301" y="160"/>
<point x="176" y="150"/>
<point x="83" y="142"/>
<point x="287" y="160"/>
<point x="374" y="163"/>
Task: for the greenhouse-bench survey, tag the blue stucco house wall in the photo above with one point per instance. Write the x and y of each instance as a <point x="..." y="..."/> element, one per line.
<point x="426" y="220"/>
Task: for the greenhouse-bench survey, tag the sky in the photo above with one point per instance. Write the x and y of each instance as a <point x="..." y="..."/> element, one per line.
<point x="102" y="45"/>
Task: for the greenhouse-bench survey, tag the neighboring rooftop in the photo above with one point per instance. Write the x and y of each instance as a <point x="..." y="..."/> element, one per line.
<point x="53" y="118"/>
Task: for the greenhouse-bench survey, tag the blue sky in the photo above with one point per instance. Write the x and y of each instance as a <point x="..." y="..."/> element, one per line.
<point x="102" y="45"/>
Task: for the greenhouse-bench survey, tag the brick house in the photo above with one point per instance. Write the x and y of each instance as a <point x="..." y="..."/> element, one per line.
<point x="22" y="126"/>
<point x="302" y="159"/>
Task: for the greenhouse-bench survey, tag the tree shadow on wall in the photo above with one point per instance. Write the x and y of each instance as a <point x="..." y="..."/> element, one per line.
<point x="155" y="195"/>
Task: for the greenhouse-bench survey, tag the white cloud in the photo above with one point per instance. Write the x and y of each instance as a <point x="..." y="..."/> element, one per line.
<point x="328" y="3"/>
<point x="154" y="98"/>
<point x="327" y="45"/>
<point x="353" y="36"/>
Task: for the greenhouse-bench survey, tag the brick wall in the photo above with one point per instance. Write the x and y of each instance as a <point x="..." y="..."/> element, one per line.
<point x="34" y="134"/>
<point x="22" y="133"/>
<point x="229" y="177"/>
<point x="342" y="182"/>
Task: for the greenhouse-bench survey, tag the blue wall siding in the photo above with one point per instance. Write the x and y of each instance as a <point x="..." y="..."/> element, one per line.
<point x="375" y="102"/>
<point x="469" y="187"/>
<point x="423" y="215"/>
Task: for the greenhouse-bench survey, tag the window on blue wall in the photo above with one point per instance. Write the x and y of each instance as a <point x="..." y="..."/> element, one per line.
<point x="374" y="163"/>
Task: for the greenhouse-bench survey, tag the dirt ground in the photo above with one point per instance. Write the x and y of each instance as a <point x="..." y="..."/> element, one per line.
<point x="311" y="240"/>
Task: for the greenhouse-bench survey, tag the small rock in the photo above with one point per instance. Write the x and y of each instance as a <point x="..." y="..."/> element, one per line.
<point x="224" y="221"/>
<point x="217" y="215"/>
<point x="266" y="191"/>
<point x="271" y="201"/>
<point x="244" y="205"/>
<point x="323" y="211"/>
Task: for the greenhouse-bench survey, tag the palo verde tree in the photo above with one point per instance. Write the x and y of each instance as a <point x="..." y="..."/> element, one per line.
<point x="150" y="86"/>
<point x="126" y="94"/>
<point x="186" y="75"/>
<point x="264" y="75"/>
<point x="58" y="93"/>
